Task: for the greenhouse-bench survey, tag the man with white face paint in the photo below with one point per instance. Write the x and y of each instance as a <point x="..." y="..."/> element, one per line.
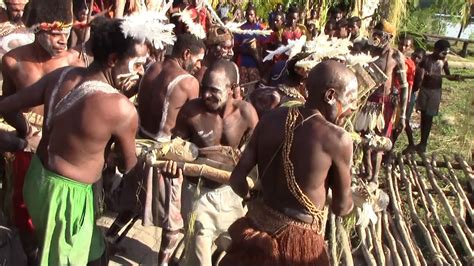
<point x="85" y="113"/>
<point x="219" y="44"/>
<point x="300" y="153"/>
<point x="169" y="85"/>
<point x="391" y="97"/>
<point x="215" y="119"/>
<point x="51" y="22"/>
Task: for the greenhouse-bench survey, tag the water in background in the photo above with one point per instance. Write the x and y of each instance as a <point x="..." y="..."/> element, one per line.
<point x="452" y="29"/>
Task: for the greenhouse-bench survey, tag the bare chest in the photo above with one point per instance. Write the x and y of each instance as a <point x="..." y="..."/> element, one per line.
<point x="212" y="129"/>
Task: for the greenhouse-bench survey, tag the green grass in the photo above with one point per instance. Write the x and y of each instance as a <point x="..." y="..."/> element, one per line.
<point x="452" y="128"/>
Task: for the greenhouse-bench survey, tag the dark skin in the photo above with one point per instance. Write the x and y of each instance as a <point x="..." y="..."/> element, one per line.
<point x="215" y="52"/>
<point x="321" y="151"/>
<point x="25" y="65"/>
<point x="152" y="95"/>
<point x="216" y="118"/>
<point x="392" y="62"/>
<point x="77" y="139"/>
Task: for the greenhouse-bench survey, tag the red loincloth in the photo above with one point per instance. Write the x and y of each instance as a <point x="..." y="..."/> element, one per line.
<point x="266" y="237"/>
<point x="21" y="218"/>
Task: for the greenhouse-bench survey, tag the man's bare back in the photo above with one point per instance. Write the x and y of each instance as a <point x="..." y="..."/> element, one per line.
<point x="320" y="153"/>
<point x="154" y="117"/>
<point x="81" y="134"/>
<point x="317" y="143"/>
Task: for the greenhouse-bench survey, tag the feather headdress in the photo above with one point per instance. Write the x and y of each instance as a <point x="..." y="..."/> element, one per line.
<point x="195" y="29"/>
<point x="291" y="49"/>
<point x="322" y="48"/>
<point x="149" y="26"/>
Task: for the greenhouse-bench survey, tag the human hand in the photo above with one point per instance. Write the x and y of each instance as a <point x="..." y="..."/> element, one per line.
<point x="32" y="140"/>
<point x="171" y="170"/>
<point x="401" y="125"/>
<point x="456" y="77"/>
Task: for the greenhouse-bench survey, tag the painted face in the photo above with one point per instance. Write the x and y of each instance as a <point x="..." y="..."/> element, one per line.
<point x="193" y="63"/>
<point x="224" y="50"/>
<point x="54" y="42"/>
<point x="215" y="91"/>
<point x="15" y="10"/>
<point x="346" y="103"/>
<point x="378" y="39"/>
<point x="129" y="69"/>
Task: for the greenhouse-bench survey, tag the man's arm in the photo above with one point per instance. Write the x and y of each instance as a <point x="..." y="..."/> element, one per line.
<point x="340" y="176"/>
<point x="401" y="74"/>
<point x="125" y="132"/>
<point x="181" y="128"/>
<point x="238" y="178"/>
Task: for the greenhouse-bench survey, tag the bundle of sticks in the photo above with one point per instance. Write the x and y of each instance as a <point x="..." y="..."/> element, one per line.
<point x="413" y="229"/>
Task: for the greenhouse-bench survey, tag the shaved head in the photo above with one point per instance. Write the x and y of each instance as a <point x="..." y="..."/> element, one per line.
<point x="332" y="88"/>
<point x="228" y="68"/>
<point x="326" y="75"/>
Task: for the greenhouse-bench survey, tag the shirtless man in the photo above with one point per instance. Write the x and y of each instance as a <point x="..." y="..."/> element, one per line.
<point x="80" y="126"/>
<point x="23" y="66"/>
<point x="213" y="119"/>
<point x="388" y="97"/>
<point x="300" y="153"/>
<point x="158" y="105"/>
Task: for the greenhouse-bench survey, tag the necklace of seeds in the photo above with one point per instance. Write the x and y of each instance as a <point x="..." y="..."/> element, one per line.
<point x="288" y="167"/>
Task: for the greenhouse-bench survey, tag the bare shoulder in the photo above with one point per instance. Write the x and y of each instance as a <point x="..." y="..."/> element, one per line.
<point x="338" y="140"/>
<point x="245" y="108"/>
<point x="192" y="107"/>
<point x="114" y="106"/>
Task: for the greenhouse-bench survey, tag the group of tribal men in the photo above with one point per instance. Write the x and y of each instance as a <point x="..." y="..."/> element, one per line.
<point x="78" y="98"/>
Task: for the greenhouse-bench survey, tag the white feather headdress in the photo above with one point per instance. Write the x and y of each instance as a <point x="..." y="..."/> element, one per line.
<point x="291" y="49"/>
<point x="195" y="29"/>
<point x="151" y="26"/>
<point x="322" y="47"/>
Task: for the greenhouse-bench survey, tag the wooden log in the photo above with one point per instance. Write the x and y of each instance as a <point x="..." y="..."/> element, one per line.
<point x="399" y="221"/>
<point x="449" y="211"/>
<point x="430" y="206"/>
<point x="414" y="215"/>
<point x="344" y="240"/>
<point x="390" y="240"/>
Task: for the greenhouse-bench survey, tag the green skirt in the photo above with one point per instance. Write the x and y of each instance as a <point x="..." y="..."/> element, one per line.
<point x="62" y="212"/>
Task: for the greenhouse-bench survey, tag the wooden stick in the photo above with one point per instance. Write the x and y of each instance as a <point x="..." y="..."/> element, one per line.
<point x="369" y="258"/>
<point x="449" y="211"/>
<point x="426" y="234"/>
<point x="377" y="243"/>
<point x="455" y="166"/>
<point x="467" y="169"/>
<point x="458" y="188"/>
<point x="400" y="247"/>
<point x="388" y="256"/>
<point x="333" y="241"/>
<point x="400" y="222"/>
<point x="430" y="206"/>
<point x="396" y="260"/>
<point x="346" y="248"/>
